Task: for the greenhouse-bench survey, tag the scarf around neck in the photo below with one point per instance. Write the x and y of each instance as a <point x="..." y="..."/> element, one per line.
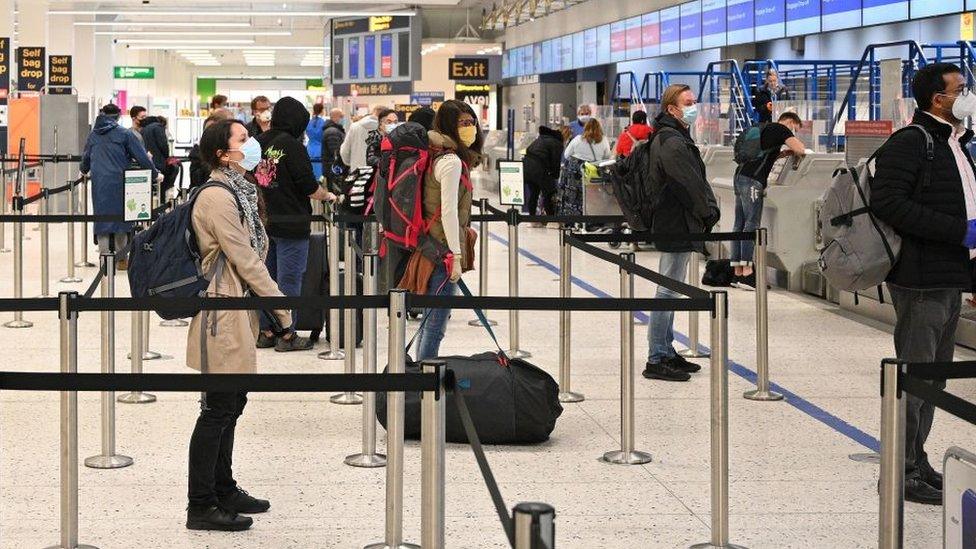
<point x="247" y="195"/>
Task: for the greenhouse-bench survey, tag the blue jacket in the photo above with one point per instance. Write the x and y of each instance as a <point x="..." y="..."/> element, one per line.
<point x="111" y="149"/>
<point x="314" y="147"/>
<point x="576" y="127"/>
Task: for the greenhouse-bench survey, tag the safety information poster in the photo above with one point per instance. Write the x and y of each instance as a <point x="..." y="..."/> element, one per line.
<point x="511" y="182"/>
<point x="137" y="196"/>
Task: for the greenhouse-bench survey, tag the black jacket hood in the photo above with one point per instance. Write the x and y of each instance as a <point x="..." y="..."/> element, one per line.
<point x="290" y="116"/>
<point x="545" y="131"/>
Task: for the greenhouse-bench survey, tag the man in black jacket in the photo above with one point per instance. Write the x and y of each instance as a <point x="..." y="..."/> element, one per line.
<point x="543" y="158"/>
<point x="153" y="129"/>
<point x="287" y="185"/>
<point x="930" y="213"/>
<point x="685" y="204"/>
<point x="333" y="135"/>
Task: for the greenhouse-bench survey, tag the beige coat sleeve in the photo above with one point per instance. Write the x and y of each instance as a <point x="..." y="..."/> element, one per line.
<point x="235" y="241"/>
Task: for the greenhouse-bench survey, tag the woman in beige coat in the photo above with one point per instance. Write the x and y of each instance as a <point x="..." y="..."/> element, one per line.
<point x="232" y="241"/>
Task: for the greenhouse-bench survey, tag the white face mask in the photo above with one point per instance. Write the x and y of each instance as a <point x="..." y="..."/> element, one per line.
<point x="264" y="116"/>
<point x="964" y="106"/>
<point x="584" y="118"/>
<point x="251" y="150"/>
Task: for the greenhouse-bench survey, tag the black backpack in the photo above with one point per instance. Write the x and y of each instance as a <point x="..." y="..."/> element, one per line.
<point x="748" y="146"/>
<point x="165" y="260"/>
<point x="629" y="179"/>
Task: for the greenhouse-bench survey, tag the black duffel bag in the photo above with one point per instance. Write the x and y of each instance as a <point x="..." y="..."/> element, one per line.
<point x="718" y="272"/>
<point x="517" y="403"/>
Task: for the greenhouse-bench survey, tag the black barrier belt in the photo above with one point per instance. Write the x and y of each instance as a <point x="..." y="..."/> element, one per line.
<point x="227" y="303"/>
<point x="643" y="272"/>
<point x="95" y="282"/>
<point x="269" y="383"/>
<point x="59" y="218"/>
<point x="560" y="304"/>
<point x="351" y="219"/>
<point x="488" y="218"/>
<point x="479" y="456"/>
<point x="38" y="304"/>
<point x="348" y="219"/>
<point x="35" y="198"/>
<point x="666" y="237"/>
<point x="42" y="158"/>
<point x="942" y="370"/>
<point x="938" y="397"/>
<point x="495" y="210"/>
<point x="27" y="166"/>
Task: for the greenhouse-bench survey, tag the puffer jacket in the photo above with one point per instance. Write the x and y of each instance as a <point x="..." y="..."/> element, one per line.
<point x="543" y="159"/>
<point x="686" y="202"/>
<point x="932" y="220"/>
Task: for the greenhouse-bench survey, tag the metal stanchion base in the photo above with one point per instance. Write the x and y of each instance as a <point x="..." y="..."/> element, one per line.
<point x="570" y="396"/>
<point x="690" y="353"/>
<point x="477" y="322"/>
<point x="866" y="457"/>
<point x="136" y="398"/>
<point x="70" y="280"/>
<point x="367" y="461"/>
<point x="18" y="324"/>
<point x="619" y="457"/>
<point x="151" y="355"/>
<point x="710" y="545"/>
<point x="756" y="394"/>
<point x="333" y="355"/>
<point x="85" y="264"/>
<point x="4" y="250"/>
<point x="383" y="545"/>
<point x="175" y="323"/>
<point x="346" y="398"/>
<point x="79" y="546"/>
<point x="518" y="353"/>
<point x="108" y="462"/>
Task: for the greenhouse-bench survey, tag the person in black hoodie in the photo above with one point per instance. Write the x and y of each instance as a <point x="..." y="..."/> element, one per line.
<point x="153" y="129"/>
<point x="333" y="134"/>
<point x="685" y="204"/>
<point x="287" y="185"/>
<point x="542" y="160"/>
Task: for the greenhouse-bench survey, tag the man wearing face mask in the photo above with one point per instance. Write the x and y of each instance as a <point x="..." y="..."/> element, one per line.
<point x="583" y="115"/>
<point x="332" y="137"/>
<point x="287" y="185"/>
<point x="261" y="109"/>
<point x="684" y="204"/>
<point x="932" y="207"/>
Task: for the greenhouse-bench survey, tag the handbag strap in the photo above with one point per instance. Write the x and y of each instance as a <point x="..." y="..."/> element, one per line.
<point x="481" y="317"/>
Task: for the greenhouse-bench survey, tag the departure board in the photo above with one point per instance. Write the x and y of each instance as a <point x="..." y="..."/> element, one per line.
<point x="377" y="55"/>
<point x="714" y="21"/>
<point x="840" y="14"/>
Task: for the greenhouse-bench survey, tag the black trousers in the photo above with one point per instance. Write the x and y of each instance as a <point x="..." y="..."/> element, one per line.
<point x="925" y="331"/>
<point x="540" y="194"/>
<point x="212" y="448"/>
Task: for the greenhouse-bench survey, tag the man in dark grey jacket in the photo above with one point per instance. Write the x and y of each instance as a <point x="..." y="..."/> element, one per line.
<point x="332" y="137"/>
<point x="685" y="204"/>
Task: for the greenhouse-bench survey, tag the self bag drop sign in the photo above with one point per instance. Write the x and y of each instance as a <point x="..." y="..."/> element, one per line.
<point x="30" y="68"/>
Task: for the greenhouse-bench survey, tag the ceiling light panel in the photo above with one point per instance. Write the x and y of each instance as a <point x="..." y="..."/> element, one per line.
<point x="159" y="24"/>
<point x="193" y="33"/>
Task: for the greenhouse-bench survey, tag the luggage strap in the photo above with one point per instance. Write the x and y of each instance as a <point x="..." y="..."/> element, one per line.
<point x="481" y="317"/>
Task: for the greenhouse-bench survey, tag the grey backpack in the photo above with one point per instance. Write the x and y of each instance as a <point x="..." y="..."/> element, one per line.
<point x="860" y="249"/>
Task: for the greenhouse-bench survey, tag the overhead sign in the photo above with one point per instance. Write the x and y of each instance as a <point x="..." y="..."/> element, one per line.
<point x="59" y="79"/>
<point x="468" y="68"/>
<point x="403" y="112"/>
<point x="370" y="24"/>
<point x="426" y="98"/>
<point x="4" y="70"/>
<point x="30" y="68"/>
<point x="511" y="182"/>
<point x="135" y="73"/>
<point x="867" y="128"/>
<point x="473" y="94"/>
<point x="380" y="88"/>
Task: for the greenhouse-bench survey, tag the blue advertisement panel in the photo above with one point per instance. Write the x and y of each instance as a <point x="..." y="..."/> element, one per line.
<point x="603" y="45"/>
<point x="547" y="56"/>
<point x="875" y="12"/>
<point x="634" y="38"/>
<point x="651" y="34"/>
<point x="770" y="19"/>
<point x="670" y="30"/>
<point x="840" y="14"/>
<point x="802" y="17"/>
<point x="369" y="56"/>
<point x="579" y="46"/>
<point x="713" y="23"/>
<point x="739" y="17"/>
<point x="589" y="46"/>
<point x="929" y="8"/>
<point x="691" y="26"/>
<point x="354" y="57"/>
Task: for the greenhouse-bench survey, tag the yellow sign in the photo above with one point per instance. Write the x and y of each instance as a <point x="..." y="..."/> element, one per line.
<point x="482" y="88"/>
<point x="966" y="27"/>
<point x="380" y="23"/>
<point x="468" y="69"/>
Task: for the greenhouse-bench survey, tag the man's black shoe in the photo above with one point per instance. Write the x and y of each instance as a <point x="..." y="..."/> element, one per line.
<point x="931" y="477"/>
<point x="216" y="518"/>
<point x="919" y="491"/>
<point x="679" y="362"/>
<point x="242" y="502"/>
<point x="664" y="371"/>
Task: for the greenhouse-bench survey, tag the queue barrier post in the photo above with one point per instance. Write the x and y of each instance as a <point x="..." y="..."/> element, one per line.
<point x="84" y="227"/>
<point x="892" y="482"/>
<point x="368" y="458"/>
<point x="719" y="432"/>
<point x="68" y="328"/>
<point x="626" y="455"/>
<point x="45" y="245"/>
<point x="147" y="354"/>
<point x="136" y="358"/>
<point x="433" y="421"/>
<point x="71" y="277"/>
<point x="335" y="351"/>
<point x="108" y="459"/>
<point x="513" y="285"/>
<point x="3" y="207"/>
<point x="349" y="321"/>
<point x="397" y="357"/>
<point x="535" y="526"/>
<point x="762" y="391"/>
<point x="566" y="393"/>
<point x="18" y="321"/>
<point x="694" y="277"/>
<point x="482" y="260"/>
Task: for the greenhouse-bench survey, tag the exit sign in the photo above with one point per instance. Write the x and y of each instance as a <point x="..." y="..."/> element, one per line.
<point x="136" y="73"/>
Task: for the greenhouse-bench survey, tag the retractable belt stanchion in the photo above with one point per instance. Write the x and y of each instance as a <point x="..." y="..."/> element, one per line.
<point x="3" y="207"/>
<point x="694" y="278"/>
<point x="18" y="321"/>
<point x="147" y="354"/>
<point x="71" y="277"/>
<point x="892" y="501"/>
<point x="482" y="260"/>
<point x="368" y="457"/>
<point x="349" y="320"/>
<point x="762" y="391"/>
<point x="433" y="427"/>
<point x="535" y="526"/>
<point x="513" y="286"/>
<point x="397" y="358"/>
<point x="45" y="246"/>
<point x="565" y="321"/>
<point x="335" y="351"/>
<point x="136" y="358"/>
<point x="108" y="459"/>
<point x="719" y="436"/>
<point x="68" y="322"/>
<point x="626" y="455"/>
<point x="84" y="227"/>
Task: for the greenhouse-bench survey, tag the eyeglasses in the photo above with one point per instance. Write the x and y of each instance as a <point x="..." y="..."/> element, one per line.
<point x="466" y="122"/>
<point x="964" y="93"/>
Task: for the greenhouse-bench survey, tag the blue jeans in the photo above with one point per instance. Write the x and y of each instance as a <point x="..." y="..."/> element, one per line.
<point x="286" y="262"/>
<point x="435" y="320"/>
<point x="749" y="195"/>
<point x="660" y="330"/>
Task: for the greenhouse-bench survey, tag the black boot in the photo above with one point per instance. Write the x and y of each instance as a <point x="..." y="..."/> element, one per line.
<point x="931" y="477"/>
<point x="215" y="518"/>
<point x="919" y="491"/>
<point x="664" y="371"/>
<point x="242" y="502"/>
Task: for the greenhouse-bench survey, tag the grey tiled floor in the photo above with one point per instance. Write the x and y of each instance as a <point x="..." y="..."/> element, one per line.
<point x="792" y="484"/>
